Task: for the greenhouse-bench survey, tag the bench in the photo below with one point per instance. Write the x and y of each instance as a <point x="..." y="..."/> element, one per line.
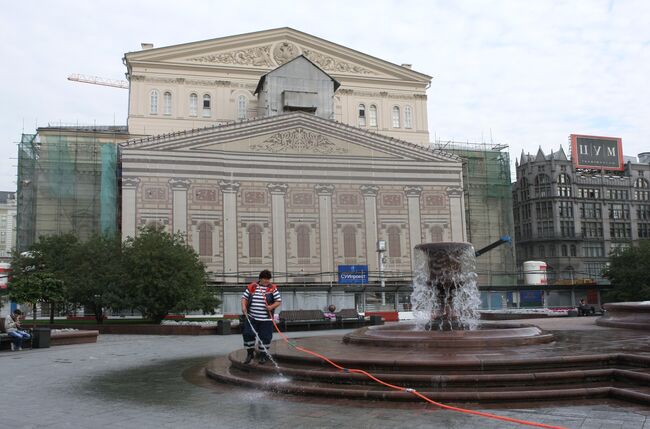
<point x="5" y="339"/>
<point x="301" y="320"/>
<point x="349" y="318"/>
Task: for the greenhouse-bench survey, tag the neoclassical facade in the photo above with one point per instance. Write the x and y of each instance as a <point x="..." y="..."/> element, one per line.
<point x="213" y="82"/>
<point x="294" y="192"/>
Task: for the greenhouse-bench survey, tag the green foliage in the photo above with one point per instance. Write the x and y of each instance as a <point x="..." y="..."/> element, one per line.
<point x="96" y="275"/>
<point x="164" y="275"/>
<point x="51" y="254"/>
<point x="36" y="287"/>
<point x="629" y="272"/>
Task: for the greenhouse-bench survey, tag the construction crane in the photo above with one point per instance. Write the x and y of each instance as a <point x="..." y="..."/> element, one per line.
<point x="95" y="80"/>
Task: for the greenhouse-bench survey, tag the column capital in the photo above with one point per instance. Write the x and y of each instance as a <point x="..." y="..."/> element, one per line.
<point x="412" y="191"/>
<point x="454" y="191"/>
<point x="369" y="190"/>
<point x="277" y="188"/>
<point x="130" y="182"/>
<point x="180" y="183"/>
<point x="324" y="189"/>
<point x="229" y="187"/>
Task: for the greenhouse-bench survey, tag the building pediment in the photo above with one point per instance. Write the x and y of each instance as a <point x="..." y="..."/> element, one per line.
<point x="267" y="50"/>
<point x="292" y="134"/>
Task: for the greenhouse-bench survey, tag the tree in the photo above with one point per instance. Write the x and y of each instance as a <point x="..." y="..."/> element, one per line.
<point x="34" y="288"/>
<point x="628" y="271"/>
<point x="51" y="254"/>
<point x="96" y="275"/>
<point x="164" y="275"/>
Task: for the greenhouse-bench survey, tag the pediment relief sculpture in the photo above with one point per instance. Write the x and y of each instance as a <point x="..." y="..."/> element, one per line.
<point x="259" y="56"/>
<point x="298" y="140"/>
<point x="273" y="55"/>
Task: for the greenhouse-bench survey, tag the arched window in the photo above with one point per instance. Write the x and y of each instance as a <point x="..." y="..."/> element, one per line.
<point x="408" y="117"/>
<point x="349" y="242"/>
<point x="153" y="102"/>
<point x="396" y="117"/>
<point x="542" y="186"/>
<point x="167" y="103"/>
<point x="564" y="250"/>
<point x="205" y="239"/>
<point x="372" y="116"/>
<point x="241" y="107"/>
<point x="394" y="242"/>
<point x="436" y="234"/>
<point x="362" y="115"/>
<point x="255" y="241"/>
<point x="207" y="107"/>
<point x="302" y="233"/>
<point x="194" y="105"/>
<point x="572" y="248"/>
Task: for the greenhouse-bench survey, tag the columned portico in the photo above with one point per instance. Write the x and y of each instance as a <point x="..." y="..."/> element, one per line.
<point x="230" y="248"/>
<point x="415" y="222"/>
<point x="129" y="213"/>
<point x="278" y="192"/>
<point x="325" y="192"/>
<point x="179" y="204"/>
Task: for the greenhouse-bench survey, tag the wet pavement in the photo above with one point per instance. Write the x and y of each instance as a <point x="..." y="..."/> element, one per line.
<point x="157" y="382"/>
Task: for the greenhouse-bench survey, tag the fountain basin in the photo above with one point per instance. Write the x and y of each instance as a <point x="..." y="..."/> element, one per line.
<point x="486" y="336"/>
<point x="630" y="315"/>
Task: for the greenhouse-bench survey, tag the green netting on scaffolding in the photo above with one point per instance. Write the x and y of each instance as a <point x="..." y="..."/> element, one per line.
<point x="108" y="192"/>
<point x="26" y="190"/>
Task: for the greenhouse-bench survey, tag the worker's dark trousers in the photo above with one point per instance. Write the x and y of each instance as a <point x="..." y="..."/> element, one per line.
<point x="264" y="329"/>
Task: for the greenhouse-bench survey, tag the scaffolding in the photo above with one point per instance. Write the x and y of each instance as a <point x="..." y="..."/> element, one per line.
<point x="488" y="206"/>
<point x="67" y="182"/>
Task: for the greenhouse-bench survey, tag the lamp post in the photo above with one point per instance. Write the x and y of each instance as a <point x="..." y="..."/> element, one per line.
<point x="381" y="248"/>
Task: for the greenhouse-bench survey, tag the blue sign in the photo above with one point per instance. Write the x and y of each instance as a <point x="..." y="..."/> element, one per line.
<point x="353" y="274"/>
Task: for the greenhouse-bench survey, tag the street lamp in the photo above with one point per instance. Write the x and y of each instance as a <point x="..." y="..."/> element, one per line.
<point x="381" y="248"/>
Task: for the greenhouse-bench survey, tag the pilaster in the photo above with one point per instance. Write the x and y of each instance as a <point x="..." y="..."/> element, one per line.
<point x="278" y="193"/>
<point x="129" y="212"/>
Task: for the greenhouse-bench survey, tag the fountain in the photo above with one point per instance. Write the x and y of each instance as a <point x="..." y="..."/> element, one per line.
<point x="447" y="355"/>
<point x="445" y="302"/>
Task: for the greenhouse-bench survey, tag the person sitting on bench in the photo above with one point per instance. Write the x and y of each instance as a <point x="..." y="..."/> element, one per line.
<point x="585" y="309"/>
<point x="12" y="326"/>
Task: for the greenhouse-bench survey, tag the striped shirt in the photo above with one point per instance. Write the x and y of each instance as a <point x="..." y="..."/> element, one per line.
<point x="257" y="308"/>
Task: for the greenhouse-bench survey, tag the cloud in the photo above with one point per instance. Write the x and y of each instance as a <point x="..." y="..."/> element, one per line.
<point x="521" y="73"/>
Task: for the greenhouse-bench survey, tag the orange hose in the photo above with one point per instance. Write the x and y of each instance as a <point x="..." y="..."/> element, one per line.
<point x="412" y="391"/>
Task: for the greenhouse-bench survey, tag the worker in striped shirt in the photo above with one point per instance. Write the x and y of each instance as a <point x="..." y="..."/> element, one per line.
<point x="258" y="303"/>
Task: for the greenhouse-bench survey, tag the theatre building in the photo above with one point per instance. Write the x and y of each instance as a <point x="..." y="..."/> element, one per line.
<point x="284" y="151"/>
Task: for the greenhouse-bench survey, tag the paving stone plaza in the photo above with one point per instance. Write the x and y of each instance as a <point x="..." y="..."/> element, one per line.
<point x="141" y="381"/>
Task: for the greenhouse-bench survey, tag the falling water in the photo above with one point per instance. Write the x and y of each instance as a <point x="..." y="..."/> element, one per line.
<point x="445" y="295"/>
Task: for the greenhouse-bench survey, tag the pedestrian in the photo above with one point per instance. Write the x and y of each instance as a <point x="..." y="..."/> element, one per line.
<point x="258" y="304"/>
<point x="12" y="326"/>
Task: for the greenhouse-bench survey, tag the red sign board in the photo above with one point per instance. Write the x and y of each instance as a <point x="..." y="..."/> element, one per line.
<point x="596" y="152"/>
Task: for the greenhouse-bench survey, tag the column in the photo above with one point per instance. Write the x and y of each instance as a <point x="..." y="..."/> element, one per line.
<point x="456" y="213"/>
<point x="179" y="204"/>
<point x="278" y="192"/>
<point x="415" y="221"/>
<point x="326" y="234"/>
<point x="129" y="212"/>
<point x="369" y="193"/>
<point x="230" y="240"/>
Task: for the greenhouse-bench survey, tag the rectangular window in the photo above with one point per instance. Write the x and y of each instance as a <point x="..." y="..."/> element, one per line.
<point x="592" y="230"/>
<point x="644" y="230"/>
<point x="566" y="228"/>
<point x="566" y="209"/>
<point x="620" y="230"/>
<point x="590" y="211"/>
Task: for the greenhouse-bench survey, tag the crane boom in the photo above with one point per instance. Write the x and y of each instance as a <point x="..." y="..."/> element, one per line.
<point x="95" y="80"/>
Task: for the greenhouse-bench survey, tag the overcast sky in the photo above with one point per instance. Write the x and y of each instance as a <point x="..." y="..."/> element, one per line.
<point x="522" y="73"/>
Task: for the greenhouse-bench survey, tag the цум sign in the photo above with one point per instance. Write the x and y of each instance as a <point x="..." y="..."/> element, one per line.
<point x="600" y="153"/>
<point x="353" y="274"/>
